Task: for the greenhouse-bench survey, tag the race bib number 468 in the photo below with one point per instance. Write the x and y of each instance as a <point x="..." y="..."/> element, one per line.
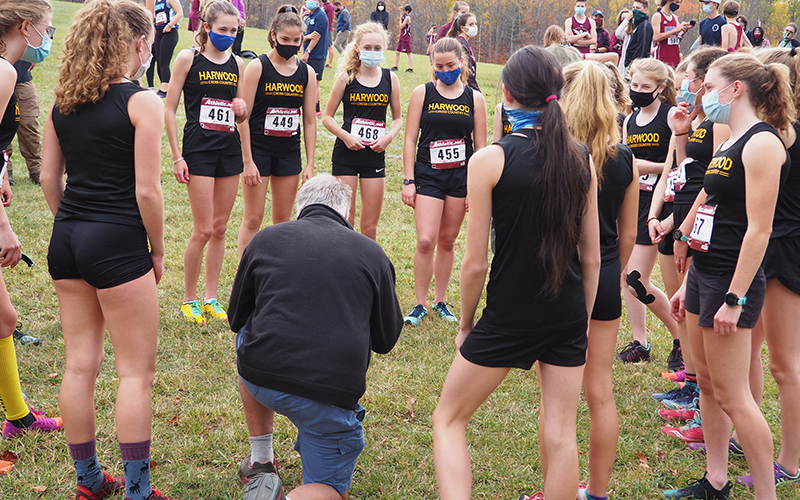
<point x="450" y="153"/>
<point x="282" y="122"/>
<point x="367" y="131"/>
<point x="217" y="114"/>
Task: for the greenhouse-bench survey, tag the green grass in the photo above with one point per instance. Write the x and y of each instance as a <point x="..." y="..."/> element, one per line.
<point x="199" y="433"/>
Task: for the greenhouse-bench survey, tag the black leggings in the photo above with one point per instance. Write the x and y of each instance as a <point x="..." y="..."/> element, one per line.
<point x="163" y="48"/>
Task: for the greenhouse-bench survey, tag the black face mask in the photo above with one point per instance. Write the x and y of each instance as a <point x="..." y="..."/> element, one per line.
<point x="286" y="51"/>
<point x="674" y="6"/>
<point x="643" y="99"/>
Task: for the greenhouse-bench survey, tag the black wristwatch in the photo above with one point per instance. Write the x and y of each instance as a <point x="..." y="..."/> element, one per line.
<point x="733" y="300"/>
<point x="406" y="182"/>
<point x="677" y="235"/>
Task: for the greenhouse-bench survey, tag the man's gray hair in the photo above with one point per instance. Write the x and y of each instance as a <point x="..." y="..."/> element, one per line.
<point x="324" y="189"/>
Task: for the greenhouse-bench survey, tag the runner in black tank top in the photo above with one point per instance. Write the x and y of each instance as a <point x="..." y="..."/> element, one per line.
<point x="280" y="92"/>
<point x="444" y="116"/>
<point x="211" y="162"/>
<point x="502" y="127"/>
<point x="365" y="90"/>
<point x="647" y="133"/>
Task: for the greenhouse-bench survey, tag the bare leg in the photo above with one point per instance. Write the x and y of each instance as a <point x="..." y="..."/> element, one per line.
<point x="259" y="418"/>
<point x="284" y="193"/>
<point x="201" y="190"/>
<point x="225" y="189"/>
<point x="254" y="198"/>
<point x="643" y="259"/>
<point x="452" y="217"/>
<point x="371" y="203"/>
<point x="352" y="181"/>
<point x="315" y="491"/>
<point x="467" y="386"/>
<point x="428" y="217"/>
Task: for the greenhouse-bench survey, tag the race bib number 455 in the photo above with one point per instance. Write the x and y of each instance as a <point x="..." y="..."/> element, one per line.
<point x="217" y="114"/>
<point x="449" y="153"/>
<point x="367" y="131"/>
<point x="282" y="122"/>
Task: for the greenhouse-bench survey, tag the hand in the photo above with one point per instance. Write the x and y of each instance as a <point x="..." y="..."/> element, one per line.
<point x="655" y="231"/>
<point x="10" y="248"/>
<point x="677" y="304"/>
<point x="587" y="35"/>
<point x="167" y="29"/>
<point x="6" y="194"/>
<point x="381" y="144"/>
<point x="182" y="172"/>
<point x="305" y="57"/>
<point x="686" y="26"/>
<point x="726" y="318"/>
<point x="463" y="332"/>
<point x="627" y="16"/>
<point x="158" y="266"/>
<point x="680" y="119"/>
<point x="308" y="173"/>
<point x="679" y="250"/>
<point x="252" y="177"/>
<point x="239" y="106"/>
<point x="352" y="142"/>
<point x="409" y="194"/>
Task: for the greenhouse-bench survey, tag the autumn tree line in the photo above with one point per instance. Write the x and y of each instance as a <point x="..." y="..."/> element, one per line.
<point x="506" y="25"/>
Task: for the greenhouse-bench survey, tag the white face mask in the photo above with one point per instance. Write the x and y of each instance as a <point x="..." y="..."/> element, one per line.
<point x="143" y="68"/>
<point x="472" y="31"/>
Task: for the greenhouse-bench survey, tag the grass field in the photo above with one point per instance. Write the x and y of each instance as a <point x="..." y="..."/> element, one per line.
<point x="199" y="434"/>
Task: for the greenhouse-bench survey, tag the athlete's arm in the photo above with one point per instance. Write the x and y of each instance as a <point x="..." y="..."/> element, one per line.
<point x="589" y="243"/>
<point x="680" y="122"/>
<point x="409" y="193"/>
<point x="147" y="117"/>
<point x="497" y="132"/>
<point x="762" y="157"/>
<point x="592" y="40"/>
<point x="248" y="89"/>
<point x="485" y="168"/>
<point x="571" y="38"/>
<point x="628" y="219"/>
<point x="657" y="34"/>
<point x="53" y="166"/>
<point x="238" y="105"/>
<point x="179" y="71"/>
<point x="310" y="122"/>
<point x="397" y="118"/>
<point x="656" y="227"/>
<point x="681" y="248"/>
<point x="337" y="93"/>
<point x="481" y="122"/>
<point x="176" y="7"/>
<point x="10" y="248"/>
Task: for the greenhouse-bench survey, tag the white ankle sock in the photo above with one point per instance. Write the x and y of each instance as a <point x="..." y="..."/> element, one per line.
<point x="261" y="449"/>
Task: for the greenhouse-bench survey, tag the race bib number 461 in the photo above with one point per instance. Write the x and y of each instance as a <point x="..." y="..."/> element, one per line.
<point x="217" y="114"/>
<point x="450" y="153"/>
<point x="367" y="131"/>
<point x="282" y="122"/>
<point x="703" y="228"/>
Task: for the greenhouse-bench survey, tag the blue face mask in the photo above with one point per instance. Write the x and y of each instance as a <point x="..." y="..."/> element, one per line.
<point x="707" y="8"/>
<point x="690" y="97"/>
<point x="221" y="42"/>
<point x="311" y="4"/>
<point x="371" y="58"/>
<point x="716" y="112"/>
<point x="448" y="77"/>
<point x="35" y="55"/>
<point x="580" y="11"/>
<point x="521" y="118"/>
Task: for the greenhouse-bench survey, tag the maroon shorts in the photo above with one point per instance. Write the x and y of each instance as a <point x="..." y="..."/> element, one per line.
<point x="404" y="46"/>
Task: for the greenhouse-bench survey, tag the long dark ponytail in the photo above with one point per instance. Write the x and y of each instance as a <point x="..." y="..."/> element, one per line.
<point x="534" y="79"/>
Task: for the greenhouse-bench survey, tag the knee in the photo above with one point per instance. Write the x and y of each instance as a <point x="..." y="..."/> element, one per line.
<point x="425" y="245"/>
<point x="252" y="222"/>
<point x="639" y="288"/>
<point x="203" y="234"/>
<point x="784" y="372"/>
<point x="369" y="230"/>
<point x="446" y="244"/>
<point x="443" y="418"/>
<point x="8" y="321"/>
<point x="219" y="230"/>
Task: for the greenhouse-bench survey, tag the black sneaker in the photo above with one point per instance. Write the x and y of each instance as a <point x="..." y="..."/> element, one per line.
<point x="634" y="352"/>
<point x="248" y="471"/>
<point x="675" y="359"/>
<point x="700" y="488"/>
<point x="161" y="94"/>
<point x="264" y="486"/>
<point x="409" y="70"/>
<point x="35" y="179"/>
<point x="394" y="68"/>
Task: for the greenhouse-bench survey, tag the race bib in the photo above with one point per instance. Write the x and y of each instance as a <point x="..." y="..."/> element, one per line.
<point x="161" y="17"/>
<point x="450" y="153"/>
<point x="700" y="238"/>
<point x="672" y="178"/>
<point x="680" y="181"/>
<point x="282" y="122"/>
<point x="674" y="40"/>
<point x="367" y="131"/>
<point x="647" y="182"/>
<point x="217" y="114"/>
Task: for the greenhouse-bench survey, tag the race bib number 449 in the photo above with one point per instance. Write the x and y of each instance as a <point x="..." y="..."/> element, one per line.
<point x="703" y="228"/>
<point x="367" y="131"/>
<point x="449" y="153"/>
<point x="282" y="122"/>
<point x="217" y="114"/>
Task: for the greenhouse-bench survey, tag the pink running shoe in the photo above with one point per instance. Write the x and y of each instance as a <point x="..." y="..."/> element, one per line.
<point x="678" y="376"/>
<point x="676" y="415"/>
<point x="42" y="424"/>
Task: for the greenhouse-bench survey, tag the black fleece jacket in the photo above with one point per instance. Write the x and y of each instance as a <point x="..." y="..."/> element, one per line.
<point x="313" y="298"/>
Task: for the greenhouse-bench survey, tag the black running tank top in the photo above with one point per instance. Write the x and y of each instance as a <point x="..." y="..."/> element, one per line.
<point x="97" y="141"/>
<point x="649" y="142"/>
<point x="364" y="113"/>
<point x="725" y="185"/>
<point x="446" y="125"/>
<point x="617" y="176"/>
<point x="278" y="110"/>
<point x="207" y="96"/>
<point x="10" y="123"/>
<point x="787" y="211"/>
<point x="514" y="304"/>
<point x="699" y="151"/>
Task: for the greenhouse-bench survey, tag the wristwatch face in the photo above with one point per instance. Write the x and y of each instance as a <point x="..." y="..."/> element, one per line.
<point x="677" y="235"/>
<point x="731" y="299"/>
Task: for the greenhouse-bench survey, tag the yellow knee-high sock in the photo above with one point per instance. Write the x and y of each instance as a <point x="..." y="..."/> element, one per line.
<point x="10" y="391"/>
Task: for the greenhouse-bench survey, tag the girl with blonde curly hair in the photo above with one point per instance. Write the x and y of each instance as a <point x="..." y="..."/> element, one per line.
<point x="106" y="252"/>
<point x="366" y="90"/>
<point x="279" y="89"/>
<point x="25" y="33"/>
